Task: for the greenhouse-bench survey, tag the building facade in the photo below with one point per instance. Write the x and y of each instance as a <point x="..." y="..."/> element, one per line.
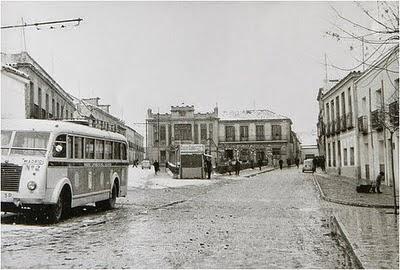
<point x="14" y="88"/>
<point x="135" y="145"/>
<point x="378" y="107"/>
<point x="98" y="115"/>
<point x="166" y="131"/>
<point x="337" y="127"/>
<point x="252" y="135"/>
<point x="44" y="98"/>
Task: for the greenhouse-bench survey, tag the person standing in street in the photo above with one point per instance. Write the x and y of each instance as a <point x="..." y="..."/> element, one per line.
<point x="251" y="163"/>
<point x="209" y="167"/>
<point x="297" y="162"/>
<point x="260" y="163"/>
<point x="237" y="167"/>
<point x="230" y="167"/>
<point x="280" y="164"/>
<point x="156" y="167"/>
<point x="378" y="182"/>
<point x="314" y="162"/>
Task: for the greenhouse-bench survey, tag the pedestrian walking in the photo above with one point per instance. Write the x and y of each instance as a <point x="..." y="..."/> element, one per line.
<point x="323" y="164"/>
<point x="297" y="161"/>
<point x="209" y="167"/>
<point x="280" y="164"/>
<point x="156" y="167"/>
<point x="260" y="163"/>
<point x="378" y="182"/>
<point x="166" y="166"/>
<point x="230" y="167"/>
<point x="237" y="167"/>
<point x="314" y="162"/>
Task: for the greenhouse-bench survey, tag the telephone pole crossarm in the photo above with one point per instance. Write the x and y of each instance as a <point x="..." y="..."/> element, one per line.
<point x="78" y="20"/>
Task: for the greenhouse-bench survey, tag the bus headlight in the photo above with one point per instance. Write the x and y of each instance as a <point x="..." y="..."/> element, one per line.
<point x="31" y="185"/>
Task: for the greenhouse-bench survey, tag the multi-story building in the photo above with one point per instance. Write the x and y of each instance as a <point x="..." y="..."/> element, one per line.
<point x="14" y="87"/>
<point x="337" y="127"/>
<point x="98" y="115"/>
<point x="378" y="107"/>
<point x="165" y="131"/>
<point x="256" y="134"/>
<point x="44" y="98"/>
<point x="135" y="145"/>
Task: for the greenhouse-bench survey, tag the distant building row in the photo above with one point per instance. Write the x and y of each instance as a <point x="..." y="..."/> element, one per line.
<point x="356" y="117"/>
<point x="243" y="135"/>
<point x="28" y="91"/>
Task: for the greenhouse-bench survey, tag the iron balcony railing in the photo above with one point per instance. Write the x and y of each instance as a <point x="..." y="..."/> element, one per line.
<point x="333" y="127"/>
<point x="394" y="113"/>
<point x="363" y="124"/>
<point x="343" y="123"/>
<point x="349" y="120"/>
<point x="328" y="129"/>
<point x="377" y="120"/>
<point x="338" y="122"/>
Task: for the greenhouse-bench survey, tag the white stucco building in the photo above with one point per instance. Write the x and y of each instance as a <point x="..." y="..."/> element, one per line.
<point x="14" y="85"/>
<point x="378" y="94"/>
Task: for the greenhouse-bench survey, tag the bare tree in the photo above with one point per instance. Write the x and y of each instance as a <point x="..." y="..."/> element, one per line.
<point x="378" y="35"/>
<point x="379" y="38"/>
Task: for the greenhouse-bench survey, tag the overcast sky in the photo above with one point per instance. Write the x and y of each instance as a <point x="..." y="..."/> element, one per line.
<point x="139" y="55"/>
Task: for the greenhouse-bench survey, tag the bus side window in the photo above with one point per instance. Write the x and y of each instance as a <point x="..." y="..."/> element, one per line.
<point x="78" y="145"/>
<point x="70" y="142"/>
<point x="99" y="149"/>
<point x="117" y="151"/>
<point x="89" y="148"/>
<point x="60" y="146"/>
<point x="123" y="151"/>
<point x="108" y="150"/>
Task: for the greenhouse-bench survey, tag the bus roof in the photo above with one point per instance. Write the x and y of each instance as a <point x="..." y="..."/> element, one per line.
<point x="58" y="127"/>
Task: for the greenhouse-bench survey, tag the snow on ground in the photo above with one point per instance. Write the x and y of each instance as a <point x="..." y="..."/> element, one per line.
<point x="145" y="178"/>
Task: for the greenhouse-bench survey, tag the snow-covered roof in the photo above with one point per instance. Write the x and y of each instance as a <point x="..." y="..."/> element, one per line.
<point x="250" y="115"/>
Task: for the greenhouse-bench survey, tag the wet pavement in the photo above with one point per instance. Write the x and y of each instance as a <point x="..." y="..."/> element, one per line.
<point x="342" y="189"/>
<point x="273" y="220"/>
<point x="372" y="231"/>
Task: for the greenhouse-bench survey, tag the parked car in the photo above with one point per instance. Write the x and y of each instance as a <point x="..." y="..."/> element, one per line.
<point x="308" y="165"/>
<point x="146" y="164"/>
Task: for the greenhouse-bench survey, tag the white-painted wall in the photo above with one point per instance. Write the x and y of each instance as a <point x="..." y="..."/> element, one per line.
<point x="12" y="95"/>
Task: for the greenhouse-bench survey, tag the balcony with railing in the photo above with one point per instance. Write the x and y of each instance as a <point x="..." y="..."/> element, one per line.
<point x="328" y="129"/>
<point x="377" y="120"/>
<point x="333" y="127"/>
<point x="338" y="122"/>
<point x="363" y="124"/>
<point x="349" y="120"/>
<point x="394" y="113"/>
<point x="343" y="123"/>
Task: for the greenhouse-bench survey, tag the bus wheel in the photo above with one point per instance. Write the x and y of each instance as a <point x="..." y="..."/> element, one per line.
<point x="109" y="203"/>
<point x="60" y="209"/>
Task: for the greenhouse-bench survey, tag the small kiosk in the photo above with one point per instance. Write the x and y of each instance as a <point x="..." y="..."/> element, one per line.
<point x="191" y="161"/>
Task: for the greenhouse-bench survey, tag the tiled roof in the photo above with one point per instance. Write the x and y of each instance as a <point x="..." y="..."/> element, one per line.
<point x="250" y="115"/>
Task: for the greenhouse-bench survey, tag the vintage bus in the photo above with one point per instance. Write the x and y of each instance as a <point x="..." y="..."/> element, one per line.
<point x="52" y="166"/>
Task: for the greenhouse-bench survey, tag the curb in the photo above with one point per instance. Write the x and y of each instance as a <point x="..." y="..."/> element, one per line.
<point x="257" y="173"/>
<point x="323" y="196"/>
<point x="338" y="226"/>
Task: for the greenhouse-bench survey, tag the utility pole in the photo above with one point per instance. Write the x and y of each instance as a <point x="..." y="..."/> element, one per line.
<point x="23" y="34"/>
<point x="363" y="54"/>
<point x="146" y="142"/>
<point x="158" y="133"/>
<point x="326" y="74"/>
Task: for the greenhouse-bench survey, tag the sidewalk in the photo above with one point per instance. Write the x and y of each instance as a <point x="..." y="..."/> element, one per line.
<point x="370" y="232"/>
<point x="342" y="190"/>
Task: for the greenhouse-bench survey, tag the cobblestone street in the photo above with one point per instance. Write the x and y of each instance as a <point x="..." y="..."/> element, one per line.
<point x="274" y="220"/>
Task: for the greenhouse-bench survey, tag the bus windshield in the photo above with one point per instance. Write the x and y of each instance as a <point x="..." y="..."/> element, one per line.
<point x="26" y="142"/>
